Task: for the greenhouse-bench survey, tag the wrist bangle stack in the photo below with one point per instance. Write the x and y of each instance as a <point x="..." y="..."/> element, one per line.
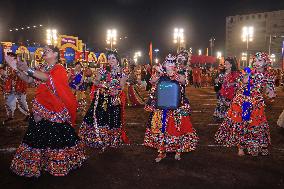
<point x="30" y="72"/>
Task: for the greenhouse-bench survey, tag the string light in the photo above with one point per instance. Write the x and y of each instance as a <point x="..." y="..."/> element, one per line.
<point x="26" y="27"/>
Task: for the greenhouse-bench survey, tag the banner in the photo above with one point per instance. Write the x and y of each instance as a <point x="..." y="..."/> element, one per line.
<point x="70" y="40"/>
<point x="69" y="55"/>
<point x="151" y="53"/>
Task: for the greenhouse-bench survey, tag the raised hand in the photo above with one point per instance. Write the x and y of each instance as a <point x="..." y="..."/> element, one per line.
<point x="22" y="65"/>
<point x="246" y="79"/>
<point x="159" y="69"/>
<point x="11" y="61"/>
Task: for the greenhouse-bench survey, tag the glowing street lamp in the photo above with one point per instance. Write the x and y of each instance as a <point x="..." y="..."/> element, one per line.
<point x="273" y="58"/>
<point x="111" y="37"/>
<point x="156" y="54"/>
<point x="244" y="58"/>
<point x="178" y="37"/>
<point x="51" y="37"/>
<point x="136" y="56"/>
<point x="156" y="60"/>
<point x="219" y="55"/>
<point x="199" y="52"/>
<point x="247" y="36"/>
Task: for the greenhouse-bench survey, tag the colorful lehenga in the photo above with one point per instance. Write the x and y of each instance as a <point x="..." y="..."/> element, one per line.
<point x="245" y="124"/>
<point x="103" y="124"/>
<point x="78" y="88"/>
<point x="132" y="91"/>
<point x="50" y="143"/>
<point x="226" y="94"/>
<point x="178" y="134"/>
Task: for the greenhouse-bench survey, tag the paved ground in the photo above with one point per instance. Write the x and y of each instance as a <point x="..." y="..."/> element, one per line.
<point x="133" y="166"/>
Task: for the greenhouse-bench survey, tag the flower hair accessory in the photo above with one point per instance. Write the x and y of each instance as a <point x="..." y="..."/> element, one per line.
<point x="170" y="60"/>
<point x="264" y="56"/>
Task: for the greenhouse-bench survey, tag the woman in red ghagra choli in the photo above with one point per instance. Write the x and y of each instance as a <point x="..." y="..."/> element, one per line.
<point x="50" y="143"/>
<point x="132" y="90"/>
<point x="178" y="135"/>
<point x="228" y="88"/>
<point x="245" y="125"/>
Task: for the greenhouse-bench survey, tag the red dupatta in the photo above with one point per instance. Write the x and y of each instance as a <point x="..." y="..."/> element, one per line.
<point x="124" y="137"/>
<point x="54" y="99"/>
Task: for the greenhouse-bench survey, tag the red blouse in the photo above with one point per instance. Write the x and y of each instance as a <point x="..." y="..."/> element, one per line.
<point x="229" y="86"/>
<point x="14" y="84"/>
<point x="54" y="99"/>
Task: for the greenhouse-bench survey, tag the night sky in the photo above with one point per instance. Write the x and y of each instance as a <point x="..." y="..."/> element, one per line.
<point x="141" y="21"/>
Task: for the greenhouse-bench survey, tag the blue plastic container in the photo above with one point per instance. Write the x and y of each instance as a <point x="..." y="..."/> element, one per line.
<point x="168" y="94"/>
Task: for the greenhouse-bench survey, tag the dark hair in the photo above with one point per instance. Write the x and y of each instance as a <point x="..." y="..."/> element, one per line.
<point x="78" y="63"/>
<point x="11" y="54"/>
<point x="233" y="62"/>
<point x="110" y="52"/>
<point x="54" y="49"/>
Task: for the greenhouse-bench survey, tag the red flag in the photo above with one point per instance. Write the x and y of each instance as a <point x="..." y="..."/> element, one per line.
<point x="151" y="53"/>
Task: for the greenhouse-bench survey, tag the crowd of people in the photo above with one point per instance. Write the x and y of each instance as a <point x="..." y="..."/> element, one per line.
<point x="52" y="144"/>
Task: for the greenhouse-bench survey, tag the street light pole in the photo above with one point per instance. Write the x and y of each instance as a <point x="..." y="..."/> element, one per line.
<point x="212" y="39"/>
<point x="247" y="50"/>
<point x="247" y="36"/>
<point x="178" y="37"/>
<point x="269" y="47"/>
<point x="136" y="56"/>
<point x="178" y="46"/>
<point x="156" y="54"/>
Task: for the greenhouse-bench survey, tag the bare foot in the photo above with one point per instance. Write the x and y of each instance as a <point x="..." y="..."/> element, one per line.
<point x="102" y="150"/>
<point x="160" y="157"/>
<point x="177" y="156"/>
<point x="264" y="152"/>
<point x="241" y="152"/>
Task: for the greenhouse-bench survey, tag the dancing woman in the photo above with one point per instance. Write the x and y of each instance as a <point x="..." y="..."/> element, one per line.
<point x="50" y="142"/>
<point x="132" y="90"/>
<point x="78" y="87"/>
<point x="245" y="125"/>
<point x="103" y="124"/>
<point x="15" y="91"/>
<point x="171" y="131"/>
<point x="228" y="88"/>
